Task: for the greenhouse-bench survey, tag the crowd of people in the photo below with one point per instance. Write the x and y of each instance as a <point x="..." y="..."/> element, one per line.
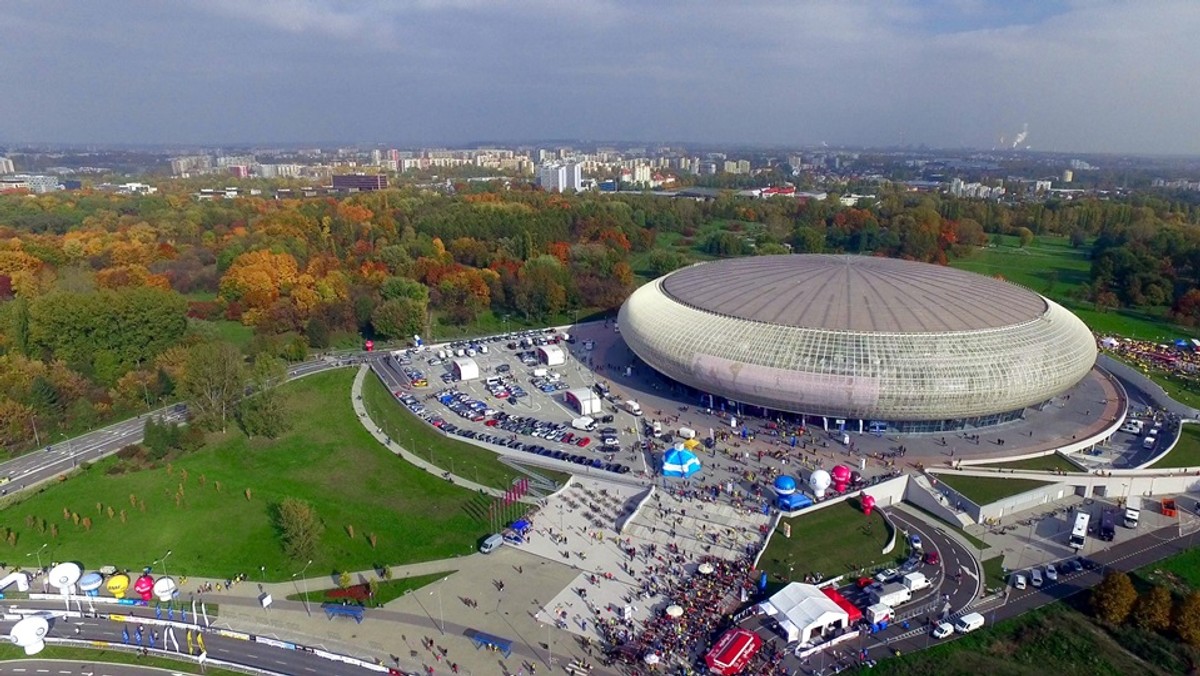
<point x="1177" y="360"/>
<point x="706" y="602"/>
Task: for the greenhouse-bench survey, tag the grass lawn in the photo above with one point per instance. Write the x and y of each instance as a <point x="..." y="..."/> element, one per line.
<point x="986" y="490"/>
<point x="1049" y="266"/>
<point x="389" y="590"/>
<point x="1055" y="639"/>
<point x="832" y="540"/>
<point x="993" y="572"/>
<point x="1048" y="463"/>
<point x="489" y="323"/>
<point x="327" y="459"/>
<point x="94" y="656"/>
<point x="1186" y="453"/>
<point x="466" y="460"/>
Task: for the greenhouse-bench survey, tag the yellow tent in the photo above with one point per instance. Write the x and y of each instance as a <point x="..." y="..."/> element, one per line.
<point x="691" y="444"/>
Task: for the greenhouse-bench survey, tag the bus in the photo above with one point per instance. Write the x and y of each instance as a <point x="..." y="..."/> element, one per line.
<point x="1079" y="532"/>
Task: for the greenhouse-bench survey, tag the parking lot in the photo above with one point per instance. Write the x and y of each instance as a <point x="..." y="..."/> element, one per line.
<point x="510" y="391"/>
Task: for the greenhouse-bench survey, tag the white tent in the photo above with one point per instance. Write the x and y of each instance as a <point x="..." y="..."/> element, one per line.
<point x="465" y="368"/>
<point x="804" y="612"/>
<point x="583" y="400"/>
<point x="551" y="355"/>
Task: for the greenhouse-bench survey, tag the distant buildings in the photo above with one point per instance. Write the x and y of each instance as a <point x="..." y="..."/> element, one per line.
<point x="960" y="189"/>
<point x="6" y="166"/>
<point x="34" y="183"/>
<point x="561" y="177"/>
<point x="359" y="182"/>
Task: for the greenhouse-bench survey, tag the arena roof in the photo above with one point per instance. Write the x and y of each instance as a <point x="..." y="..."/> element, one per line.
<point x="853" y="293"/>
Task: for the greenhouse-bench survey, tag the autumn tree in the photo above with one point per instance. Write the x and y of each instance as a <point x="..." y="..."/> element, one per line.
<point x="1186" y="620"/>
<point x="399" y="317"/>
<point x="1024" y="237"/>
<point x="257" y="279"/>
<point x="264" y="412"/>
<point x="1113" y="599"/>
<point x="300" y="527"/>
<point x="213" y="383"/>
<point x="1152" y="611"/>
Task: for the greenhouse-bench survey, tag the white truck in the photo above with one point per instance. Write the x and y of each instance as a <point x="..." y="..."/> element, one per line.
<point x="687" y="433"/>
<point x="584" y="423"/>
<point x="892" y="594"/>
<point x="633" y="407"/>
<point x="915" y="581"/>
<point x="1133" y="510"/>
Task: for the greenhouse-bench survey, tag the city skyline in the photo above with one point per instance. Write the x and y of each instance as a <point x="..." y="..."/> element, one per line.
<point x="1106" y="77"/>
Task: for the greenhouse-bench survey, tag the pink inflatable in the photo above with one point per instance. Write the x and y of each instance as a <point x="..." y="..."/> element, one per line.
<point x="868" y="504"/>
<point x="841" y="478"/>
<point x="144" y="587"/>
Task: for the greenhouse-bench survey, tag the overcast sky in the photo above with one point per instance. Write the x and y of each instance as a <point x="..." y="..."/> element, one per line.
<point x="1085" y="75"/>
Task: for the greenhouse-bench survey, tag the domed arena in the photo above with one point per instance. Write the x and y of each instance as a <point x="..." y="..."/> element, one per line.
<point x="877" y="343"/>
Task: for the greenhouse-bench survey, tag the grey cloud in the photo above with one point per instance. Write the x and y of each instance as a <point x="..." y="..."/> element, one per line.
<point x="1094" y="75"/>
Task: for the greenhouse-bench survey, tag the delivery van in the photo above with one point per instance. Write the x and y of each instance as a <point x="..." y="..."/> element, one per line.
<point x="492" y="543"/>
<point x="968" y="623"/>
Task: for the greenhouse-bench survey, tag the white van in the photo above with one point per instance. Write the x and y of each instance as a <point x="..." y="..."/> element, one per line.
<point x="492" y="543"/>
<point x="1149" y="442"/>
<point x="968" y="623"/>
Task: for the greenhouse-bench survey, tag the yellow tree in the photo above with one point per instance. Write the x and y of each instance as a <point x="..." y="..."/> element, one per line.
<point x="258" y="278"/>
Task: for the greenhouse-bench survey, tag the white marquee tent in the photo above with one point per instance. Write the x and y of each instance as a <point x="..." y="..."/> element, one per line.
<point x="804" y="612"/>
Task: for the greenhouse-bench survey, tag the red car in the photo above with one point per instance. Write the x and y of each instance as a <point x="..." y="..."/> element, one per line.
<point x="864" y="582"/>
<point x="491" y="423"/>
<point x="932" y="558"/>
<point x="583" y="441"/>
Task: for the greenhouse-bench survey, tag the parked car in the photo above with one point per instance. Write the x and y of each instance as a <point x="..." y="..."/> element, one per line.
<point x="1018" y="581"/>
<point x="1051" y="572"/>
<point x="932" y="558"/>
<point x="1035" y="577"/>
<point x="943" y="630"/>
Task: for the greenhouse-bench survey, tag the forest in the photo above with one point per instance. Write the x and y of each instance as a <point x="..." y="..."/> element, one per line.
<point x="105" y="299"/>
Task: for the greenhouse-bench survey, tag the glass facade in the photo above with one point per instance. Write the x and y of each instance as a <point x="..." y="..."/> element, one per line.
<point x="938" y="379"/>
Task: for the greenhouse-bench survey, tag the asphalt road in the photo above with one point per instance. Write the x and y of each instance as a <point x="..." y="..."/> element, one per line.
<point x="1129" y="555"/>
<point x="276" y="660"/>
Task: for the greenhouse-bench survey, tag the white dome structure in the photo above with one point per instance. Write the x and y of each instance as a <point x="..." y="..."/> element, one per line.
<point x="911" y="346"/>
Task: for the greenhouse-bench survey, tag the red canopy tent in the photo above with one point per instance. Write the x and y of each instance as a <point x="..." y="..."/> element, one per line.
<point x="733" y="651"/>
<point x="852" y="611"/>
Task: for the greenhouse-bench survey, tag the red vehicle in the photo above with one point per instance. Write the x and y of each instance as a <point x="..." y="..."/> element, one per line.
<point x="568" y="438"/>
<point x="864" y="582"/>
<point x="583" y="441"/>
<point x="439" y="422"/>
<point x="932" y="558"/>
<point x="491" y="423"/>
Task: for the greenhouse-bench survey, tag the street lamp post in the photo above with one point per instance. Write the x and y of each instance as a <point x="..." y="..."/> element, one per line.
<point x="305" y="581"/>
<point x="38" y="553"/>
<point x="441" y="614"/>
<point x="163" y="561"/>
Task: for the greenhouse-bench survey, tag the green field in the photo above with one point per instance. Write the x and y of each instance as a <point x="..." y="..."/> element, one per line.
<point x="1046" y="463"/>
<point x="1186" y="453"/>
<point x="1049" y="266"/>
<point x="466" y="460"/>
<point x="328" y="459"/>
<point x="986" y="490"/>
<point x="832" y="540"/>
